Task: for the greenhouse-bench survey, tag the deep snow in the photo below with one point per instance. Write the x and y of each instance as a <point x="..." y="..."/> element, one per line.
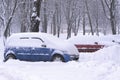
<point x="101" y="65"/>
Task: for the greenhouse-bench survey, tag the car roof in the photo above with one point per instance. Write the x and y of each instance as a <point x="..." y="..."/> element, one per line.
<point x="44" y="36"/>
<point x="28" y="34"/>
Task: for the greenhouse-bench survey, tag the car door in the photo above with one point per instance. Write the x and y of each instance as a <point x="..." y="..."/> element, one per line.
<point x="39" y="52"/>
<point x="23" y="49"/>
<point x="24" y="53"/>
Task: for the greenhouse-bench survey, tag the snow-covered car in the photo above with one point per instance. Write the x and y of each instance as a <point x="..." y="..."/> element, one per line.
<point x="39" y="47"/>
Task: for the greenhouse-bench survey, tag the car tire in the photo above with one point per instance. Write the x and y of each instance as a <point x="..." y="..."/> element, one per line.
<point x="57" y="58"/>
<point x="10" y="56"/>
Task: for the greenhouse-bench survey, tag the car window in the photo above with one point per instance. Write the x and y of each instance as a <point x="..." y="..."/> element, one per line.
<point x="37" y="38"/>
<point x="24" y="37"/>
<point x="26" y="42"/>
<point x="36" y="41"/>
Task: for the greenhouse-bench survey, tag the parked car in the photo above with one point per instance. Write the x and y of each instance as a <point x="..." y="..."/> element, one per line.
<point x="39" y="47"/>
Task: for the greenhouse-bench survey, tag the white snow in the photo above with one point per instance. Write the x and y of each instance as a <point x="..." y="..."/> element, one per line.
<point x="34" y="14"/>
<point x="104" y="40"/>
<point x="101" y="65"/>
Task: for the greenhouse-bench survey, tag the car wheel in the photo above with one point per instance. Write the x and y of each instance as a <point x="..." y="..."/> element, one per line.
<point x="58" y="58"/>
<point x="10" y="56"/>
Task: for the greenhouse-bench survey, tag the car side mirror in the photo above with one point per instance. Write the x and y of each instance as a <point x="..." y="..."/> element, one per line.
<point x="43" y="45"/>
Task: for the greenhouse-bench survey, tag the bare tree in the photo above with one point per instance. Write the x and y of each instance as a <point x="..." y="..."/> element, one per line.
<point x="25" y="9"/>
<point x="8" y="11"/>
<point x="96" y="14"/>
<point x="110" y="7"/>
<point x="58" y="17"/>
<point x="45" y="22"/>
<point x="89" y="17"/>
<point x="71" y="13"/>
<point x="35" y="21"/>
<point x="54" y="24"/>
<point x="83" y="24"/>
<point x="78" y="9"/>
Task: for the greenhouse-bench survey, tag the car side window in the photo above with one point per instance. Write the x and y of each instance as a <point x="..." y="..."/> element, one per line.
<point x="37" y="38"/>
<point x="24" y="37"/>
<point x="30" y="42"/>
<point x="26" y="42"/>
<point x="38" y="42"/>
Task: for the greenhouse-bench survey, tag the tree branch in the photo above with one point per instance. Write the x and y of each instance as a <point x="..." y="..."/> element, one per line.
<point x="10" y="19"/>
<point x="104" y="10"/>
<point x="1" y="18"/>
<point x="107" y="4"/>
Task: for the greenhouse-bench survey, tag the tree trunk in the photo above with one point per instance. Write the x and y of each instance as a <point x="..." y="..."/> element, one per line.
<point x="83" y="24"/>
<point x="45" y="22"/>
<point x="89" y="17"/>
<point x="23" y="17"/>
<point x="112" y="13"/>
<point x="69" y="31"/>
<point x="54" y="24"/>
<point x="112" y="17"/>
<point x="35" y="21"/>
<point x="58" y="16"/>
<point x="7" y="29"/>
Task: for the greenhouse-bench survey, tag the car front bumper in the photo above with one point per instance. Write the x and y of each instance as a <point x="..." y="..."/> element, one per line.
<point x="74" y="57"/>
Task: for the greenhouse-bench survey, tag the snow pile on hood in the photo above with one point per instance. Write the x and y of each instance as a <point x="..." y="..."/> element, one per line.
<point x="57" y="43"/>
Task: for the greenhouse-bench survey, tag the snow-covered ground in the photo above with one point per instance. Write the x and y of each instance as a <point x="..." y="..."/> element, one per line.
<point x="101" y="65"/>
<point x="90" y="70"/>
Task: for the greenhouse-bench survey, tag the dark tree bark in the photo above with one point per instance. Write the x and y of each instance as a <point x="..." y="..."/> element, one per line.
<point x="83" y="24"/>
<point x="35" y="21"/>
<point x="112" y="13"/>
<point x="45" y="21"/>
<point x="112" y="17"/>
<point x="58" y="20"/>
<point x="24" y="16"/>
<point x="89" y="17"/>
<point x="54" y="24"/>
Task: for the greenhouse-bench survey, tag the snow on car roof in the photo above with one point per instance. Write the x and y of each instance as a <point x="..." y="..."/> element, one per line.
<point x="35" y="34"/>
<point x="29" y="34"/>
<point x="15" y="38"/>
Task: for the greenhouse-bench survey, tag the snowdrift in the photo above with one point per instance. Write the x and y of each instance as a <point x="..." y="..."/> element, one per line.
<point x="109" y="53"/>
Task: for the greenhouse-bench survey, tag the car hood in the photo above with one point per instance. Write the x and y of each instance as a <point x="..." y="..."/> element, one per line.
<point x="63" y="45"/>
